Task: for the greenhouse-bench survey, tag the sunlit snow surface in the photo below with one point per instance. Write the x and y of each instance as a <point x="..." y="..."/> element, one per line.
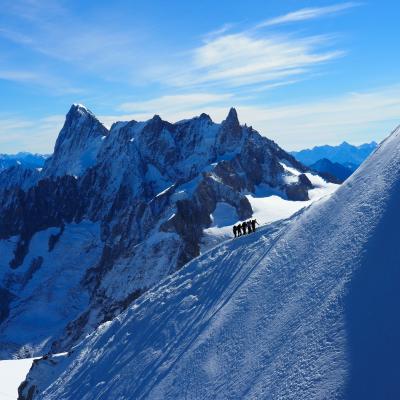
<point x="12" y="373"/>
<point x="268" y="206"/>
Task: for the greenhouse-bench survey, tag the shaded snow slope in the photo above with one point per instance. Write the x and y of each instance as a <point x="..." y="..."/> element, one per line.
<point x="46" y="291"/>
<point x="302" y="309"/>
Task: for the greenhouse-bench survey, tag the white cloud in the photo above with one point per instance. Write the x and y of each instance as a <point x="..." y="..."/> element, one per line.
<point x="88" y="44"/>
<point x="123" y="53"/>
<point x="57" y="85"/>
<point x="173" y="103"/>
<point x="307" y="14"/>
<point x="35" y="135"/>
<point x="248" y="58"/>
<point x="254" y="56"/>
<point x="355" y="117"/>
<point x="18" y="76"/>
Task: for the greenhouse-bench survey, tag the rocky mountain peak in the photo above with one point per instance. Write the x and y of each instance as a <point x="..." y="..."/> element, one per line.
<point x="77" y="144"/>
<point x="79" y="114"/>
<point x="230" y="134"/>
<point x="79" y="122"/>
<point x="232" y="118"/>
<point x="80" y="109"/>
<point x="204" y="116"/>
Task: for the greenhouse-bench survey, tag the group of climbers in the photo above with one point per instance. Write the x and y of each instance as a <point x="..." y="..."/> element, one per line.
<point x="245" y="227"/>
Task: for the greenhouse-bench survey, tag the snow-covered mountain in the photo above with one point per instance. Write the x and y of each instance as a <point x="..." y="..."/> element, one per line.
<point x="27" y="160"/>
<point x="20" y="170"/>
<point x="346" y="154"/>
<point x="77" y="144"/>
<point x="306" y="308"/>
<point x="18" y="176"/>
<point x="332" y="171"/>
<point x="113" y="212"/>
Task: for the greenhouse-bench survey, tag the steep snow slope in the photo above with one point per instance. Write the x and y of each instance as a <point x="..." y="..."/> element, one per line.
<point x="302" y="309"/>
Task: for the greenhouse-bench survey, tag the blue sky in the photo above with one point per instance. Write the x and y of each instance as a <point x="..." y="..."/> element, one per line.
<point x="301" y="72"/>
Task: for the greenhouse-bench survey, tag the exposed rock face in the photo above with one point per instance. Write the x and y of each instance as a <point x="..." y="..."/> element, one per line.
<point x="150" y="187"/>
<point x="77" y="144"/>
<point x="299" y="190"/>
<point x="231" y="133"/>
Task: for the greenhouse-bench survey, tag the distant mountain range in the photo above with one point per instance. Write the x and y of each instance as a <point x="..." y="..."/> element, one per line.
<point x="333" y="171"/>
<point x="344" y="153"/>
<point x="25" y="159"/>
<point x="335" y="163"/>
<point x="20" y="170"/>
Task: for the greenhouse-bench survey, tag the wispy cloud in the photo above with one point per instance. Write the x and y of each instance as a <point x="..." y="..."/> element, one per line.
<point x="247" y="58"/>
<point x="308" y="14"/>
<point x="225" y="58"/>
<point x="232" y="58"/>
<point x="57" y="85"/>
<point x="90" y="45"/>
<point x="356" y="117"/>
<point x="18" y="76"/>
<point x="35" y="135"/>
<point x="218" y="32"/>
<point x="176" y="102"/>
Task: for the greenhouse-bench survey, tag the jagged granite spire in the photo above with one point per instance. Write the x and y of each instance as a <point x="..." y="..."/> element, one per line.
<point x="230" y="134"/>
<point x="232" y="117"/>
<point x="205" y="116"/>
<point x="77" y="144"/>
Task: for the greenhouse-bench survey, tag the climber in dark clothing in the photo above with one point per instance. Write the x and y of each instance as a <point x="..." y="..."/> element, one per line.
<point x="239" y="230"/>
<point x="234" y="230"/>
<point x="249" y="226"/>
<point x="253" y="224"/>
<point x="244" y="226"/>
